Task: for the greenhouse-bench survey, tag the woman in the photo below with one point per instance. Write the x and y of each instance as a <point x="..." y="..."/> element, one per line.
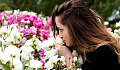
<point x="82" y="30"/>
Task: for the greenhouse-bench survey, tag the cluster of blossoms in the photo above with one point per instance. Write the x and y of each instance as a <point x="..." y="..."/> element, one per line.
<point x="52" y="59"/>
<point x="21" y="36"/>
<point x="27" y="23"/>
<point x="26" y="43"/>
<point x="13" y="57"/>
<point x="116" y="32"/>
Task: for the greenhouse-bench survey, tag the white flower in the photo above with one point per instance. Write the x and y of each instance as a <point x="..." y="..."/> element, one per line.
<point x="106" y="23"/>
<point x="27" y="50"/>
<point x="50" y="53"/>
<point x="51" y="34"/>
<point x="24" y="12"/>
<point x="27" y="21"/>
<point x="115" y="31"/>
<point x="9" y="40"/>
<point x="3" y="30"/>
<point x="4" y="57"/>
<point x="54" y="59"/>
<point x="35" y="64"/>
<point x="2" y="42"/>
<point x="44" y="20"/>
<point x="38" y="44"/>
<point x="47" y="43"/>
<point x="23" y="21"/>
<point x="24" y="56"/>
<point x="12" y="26"/>
<point x="13" y="51"/>
<point x="17" y="64"/>
<point x="0" y="49"/>
<point x="16" y="12"/>
<point x="29" y="13"/>
<point x="49" y="65"/>
<point x="10" y="11"/>
<point x="80" y="60"/>
<point x="63" y="60"/>
<point x="117" y="24"/>
<point x="59" y="40"/>
<point x="16" y="35"/>
<point x="29" y="43"/>
<point x="113" y="34"/>
<point x="74" y="53"/>
<point x="75" y="59"/>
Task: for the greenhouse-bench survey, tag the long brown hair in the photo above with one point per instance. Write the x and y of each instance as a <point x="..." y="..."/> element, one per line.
<point x="85" y="27"/>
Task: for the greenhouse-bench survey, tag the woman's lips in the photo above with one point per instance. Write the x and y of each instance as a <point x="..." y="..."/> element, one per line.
<point x="64" y="41"/>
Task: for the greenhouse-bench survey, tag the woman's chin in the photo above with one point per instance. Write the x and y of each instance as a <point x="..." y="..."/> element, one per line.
<point x="68" y="45"/>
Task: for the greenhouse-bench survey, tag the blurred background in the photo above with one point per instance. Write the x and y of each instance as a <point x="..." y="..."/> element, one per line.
<point x="109" y="10"/>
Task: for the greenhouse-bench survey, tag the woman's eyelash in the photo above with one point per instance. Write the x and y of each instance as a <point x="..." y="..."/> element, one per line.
<point x="60" y="29"/>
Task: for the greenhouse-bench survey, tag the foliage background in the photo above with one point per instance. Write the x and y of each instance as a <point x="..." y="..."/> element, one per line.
<point x="104" y="8"/>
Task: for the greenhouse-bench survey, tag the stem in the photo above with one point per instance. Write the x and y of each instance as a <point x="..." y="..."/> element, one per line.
<point x="9" y="34"/>
<point x="69" y="61"/>
<point x="12" y="64"/>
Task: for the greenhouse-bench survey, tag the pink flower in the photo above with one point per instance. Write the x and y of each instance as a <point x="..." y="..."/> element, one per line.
<point x="19" y="18"/>
<point x="5" y="13"/>
<point x="19" y="29"/>
<point x="45" y="34"/>
<point x="109" y="29"/>
<point x="26" y="17"/>
<point x="33" y="18"/>
<point x="12" y="19"/>
<point x="47" y="25"/>
<point x="37" y="59"/>
<point x="43" y="66"/>
<point x="27" y="32"/>
<point x="49" y="20"/>
<point x="0" y="19"/>
<point x="5" y="22"/>
<point x="20" y="44"/>
<point x="33" y="30"/>
<point x="38" y="23"/>
<point x="39" y="16"/>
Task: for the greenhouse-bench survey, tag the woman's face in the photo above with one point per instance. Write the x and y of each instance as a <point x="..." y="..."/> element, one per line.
<point x="63" y="32"/>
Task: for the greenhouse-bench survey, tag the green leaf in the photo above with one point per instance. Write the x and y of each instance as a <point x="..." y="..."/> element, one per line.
<point x="5" y="66"/>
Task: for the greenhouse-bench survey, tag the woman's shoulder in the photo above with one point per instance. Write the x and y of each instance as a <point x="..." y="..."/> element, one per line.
<point x="103" y="58"/>
<point x="109" y="47"/>
<point x="103" y="53"/>
<point x="104" y="50"/>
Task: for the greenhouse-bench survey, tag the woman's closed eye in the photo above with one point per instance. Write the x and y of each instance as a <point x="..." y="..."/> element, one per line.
<point x="60" y="30"/>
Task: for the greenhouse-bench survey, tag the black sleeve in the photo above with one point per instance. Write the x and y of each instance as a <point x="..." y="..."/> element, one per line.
<point x="103" y="58"/>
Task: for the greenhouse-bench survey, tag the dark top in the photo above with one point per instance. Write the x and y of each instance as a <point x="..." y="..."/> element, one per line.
<point x="103" y="58"/>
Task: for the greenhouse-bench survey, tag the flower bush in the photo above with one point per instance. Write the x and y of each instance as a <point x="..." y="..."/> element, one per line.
<point x="26" y="42"/>
<point x="21" y="34"/>
<point x="114" y="32"/>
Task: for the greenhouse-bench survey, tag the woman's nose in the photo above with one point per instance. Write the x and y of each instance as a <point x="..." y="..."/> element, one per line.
<point x="60" y="35"/>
